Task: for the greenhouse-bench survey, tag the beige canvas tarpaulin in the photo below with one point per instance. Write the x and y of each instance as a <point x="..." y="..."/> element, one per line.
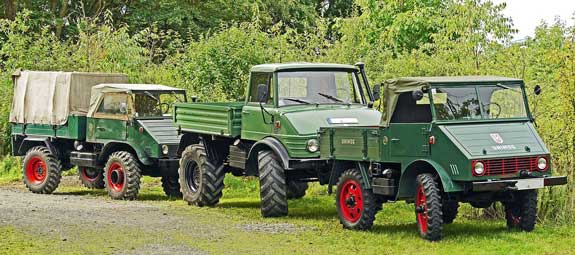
<point x="50" y="97"/>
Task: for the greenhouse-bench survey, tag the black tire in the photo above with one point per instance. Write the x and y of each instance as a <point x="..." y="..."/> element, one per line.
<point x="41" y="170"/>
<point x="428" y="208"/>
<point x="356" y="206"/>
<point x="450" y="210"/>
<point x="91" y="178"/>
<point x="273" y="188"/>
<point x="296" y="189"/>
<point x="171" y="186"/>
<point x="122" y="176"/>
<point x="521" y="213"/>
<point x="201" y="182"/>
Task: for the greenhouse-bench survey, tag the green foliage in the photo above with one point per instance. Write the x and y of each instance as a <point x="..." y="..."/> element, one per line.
<point x="10" y="169"/>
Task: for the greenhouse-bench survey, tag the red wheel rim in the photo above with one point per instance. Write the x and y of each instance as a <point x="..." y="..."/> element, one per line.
<point x="36" y="170"/>
<point x="351" y="201"/>
<point x="88" y="174"/>
<point x="421" y="209"/>
<point x="115" y="177"/>
<point x="515" y="220"/>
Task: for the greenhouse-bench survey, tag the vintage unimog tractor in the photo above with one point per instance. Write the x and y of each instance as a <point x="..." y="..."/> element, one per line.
<point x="273" y="134"/>
<point x="441" y="141"/>
<point x="113" y="132"/>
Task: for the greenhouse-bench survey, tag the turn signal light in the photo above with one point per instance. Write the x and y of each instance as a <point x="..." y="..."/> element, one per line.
<point x="432" y="140"/>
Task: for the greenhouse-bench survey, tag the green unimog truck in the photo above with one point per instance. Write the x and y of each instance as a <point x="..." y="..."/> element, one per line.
<point x="441" y="141"/>
<point x="273" y="133"/>
<point x="113" y="132"/>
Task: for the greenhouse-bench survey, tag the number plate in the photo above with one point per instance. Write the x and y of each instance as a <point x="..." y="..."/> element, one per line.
<point x="535" y="183"/>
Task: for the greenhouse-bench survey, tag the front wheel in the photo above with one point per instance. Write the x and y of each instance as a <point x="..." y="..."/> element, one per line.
<point x="428" y="208"/>
<point x="273" y="190"/>
<point x="356" y="205"/>
<point x="200" y="181"/>
<point x="92" y="178"/>
<point x="521" y="213"/>
<point x="122" y="176"/>
<point x="42" y="170"/>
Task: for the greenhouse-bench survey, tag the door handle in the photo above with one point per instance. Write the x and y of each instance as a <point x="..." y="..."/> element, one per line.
<point x="246" y="112"/>
<point x="101" y="129"/>
<point x="395" y="140"/>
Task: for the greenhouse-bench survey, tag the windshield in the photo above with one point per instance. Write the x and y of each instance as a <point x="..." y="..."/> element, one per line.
<point x="318" y="87"/>
<point x="155" y="103"/>
<point x="479" y="102"/>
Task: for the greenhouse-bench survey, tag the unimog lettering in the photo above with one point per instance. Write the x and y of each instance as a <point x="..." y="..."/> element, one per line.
<point x="347" y="141"/>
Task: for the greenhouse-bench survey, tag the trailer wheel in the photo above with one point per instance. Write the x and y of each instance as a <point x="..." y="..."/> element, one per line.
<point x="171" y="186"/>
<point x="122" y="176"/>
<point x="41" y="170"/>
<point x="450" y="210"/>
<point x="356" y="205"/>
<point x="200" y="181"/>
<point x="428" y="208"/>
<point x="521" y="213"/>
<point x="273" y="191"/>
<point x="92" y="178"/>
<point x="296" y="189"/>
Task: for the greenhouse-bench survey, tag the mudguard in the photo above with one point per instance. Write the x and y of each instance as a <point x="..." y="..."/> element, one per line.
<point x="407" y="182"/>
<point x="269" y="142"/>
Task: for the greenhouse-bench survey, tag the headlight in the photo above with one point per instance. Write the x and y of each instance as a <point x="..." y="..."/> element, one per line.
<point x="479" y="168"/>
<point x="312" y="145"/>
<point x="542" y="163"/>
<point x="165" y="149"/>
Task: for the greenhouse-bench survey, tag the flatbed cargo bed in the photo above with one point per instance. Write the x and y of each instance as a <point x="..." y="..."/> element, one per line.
<point x="222" y="119"/>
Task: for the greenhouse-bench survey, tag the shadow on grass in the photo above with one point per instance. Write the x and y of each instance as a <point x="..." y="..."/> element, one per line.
<point x="98" y="193"/>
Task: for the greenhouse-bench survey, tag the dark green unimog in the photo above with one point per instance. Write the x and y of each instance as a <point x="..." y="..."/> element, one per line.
<point x="441" y="141"/>
<point x="273" y="133"/>
<point x="113" y="132"/>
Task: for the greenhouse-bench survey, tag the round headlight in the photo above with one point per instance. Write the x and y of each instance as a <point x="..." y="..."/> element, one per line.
<point x="542" y="163"/>
<point x="479" y="168"/>
<point x="165" y="149"/>
<point x="312" y="145"/>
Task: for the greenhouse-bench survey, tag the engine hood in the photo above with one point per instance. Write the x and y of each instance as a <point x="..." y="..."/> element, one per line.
<point x="162" y="130"/>
<point x="496" y="139"/>
<point x="309" y="121"/>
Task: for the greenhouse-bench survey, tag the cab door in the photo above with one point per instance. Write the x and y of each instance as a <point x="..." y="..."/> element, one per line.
<point x="110" y="121"/>
<point x="409" y="127"/>
<point x="257" y="124"/>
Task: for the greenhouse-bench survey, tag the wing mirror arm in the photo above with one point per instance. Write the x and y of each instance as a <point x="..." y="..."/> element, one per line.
<point x="262" y="98"/>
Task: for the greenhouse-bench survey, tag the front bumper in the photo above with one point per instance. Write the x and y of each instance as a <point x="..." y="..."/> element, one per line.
<point x="519" y="184"/>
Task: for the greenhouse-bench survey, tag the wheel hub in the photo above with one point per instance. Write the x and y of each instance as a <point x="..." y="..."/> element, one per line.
<point x="421" y="209"/>
<point x="36" y="170"/>
<point x="116" y="177"/>
<point x="351" y="201"/>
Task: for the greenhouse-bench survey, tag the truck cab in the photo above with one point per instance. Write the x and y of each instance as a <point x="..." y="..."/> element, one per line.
<point x="442" y="141"/>
<point x="273" y="133"/>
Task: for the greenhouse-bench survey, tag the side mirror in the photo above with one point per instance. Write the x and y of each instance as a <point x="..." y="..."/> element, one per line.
<point x="123" y="108"/>
<point x="417" y="95"/>
<point x="376" y="93"/>
<point x="537" y="90"/>
<point x="263" y="93"/>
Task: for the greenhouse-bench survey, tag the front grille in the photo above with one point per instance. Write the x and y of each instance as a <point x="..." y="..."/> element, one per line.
<point x="508" y="165"/>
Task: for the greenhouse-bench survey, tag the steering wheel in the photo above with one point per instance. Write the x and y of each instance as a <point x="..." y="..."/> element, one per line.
<point x="167" y="107"/>
<point x="498" y="109"/>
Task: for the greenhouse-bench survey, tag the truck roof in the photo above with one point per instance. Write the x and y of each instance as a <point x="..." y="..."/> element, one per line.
<point x="457" y="79"/>
<point x="301" y="66"/>
<point x="128" y="87"/>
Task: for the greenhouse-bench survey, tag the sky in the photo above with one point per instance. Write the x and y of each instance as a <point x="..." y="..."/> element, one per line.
<point x="527" y="14"/>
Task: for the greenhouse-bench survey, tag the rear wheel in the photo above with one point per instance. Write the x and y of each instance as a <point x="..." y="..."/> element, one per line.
<point x="122" y="176"/>
<point x="273" y="190"/>
<point x="296" y="189"/>
<point x="521" y="213"/>
<point x="171" y="186"/>
<point x="428" y="208"/>
<point x="41" y="170"/>
<point x="91" y="178"/>
<point x="200" y="181"/>
<point x="450" y="209"/>
<point x="356" y="205"/>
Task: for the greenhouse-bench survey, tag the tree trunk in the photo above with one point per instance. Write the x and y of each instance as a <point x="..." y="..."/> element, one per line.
<point x="10" y="9"/>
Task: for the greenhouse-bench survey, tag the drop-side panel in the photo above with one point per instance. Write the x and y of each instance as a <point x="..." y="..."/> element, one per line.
<point x="222" y="119"/>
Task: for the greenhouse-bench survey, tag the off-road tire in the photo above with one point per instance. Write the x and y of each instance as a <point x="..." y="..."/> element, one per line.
<point x="356" y="206"/>
<point x="296" y="189"/>
<point x="128" y="188"/>
<point x="171" y="186"/>
<point x="521" y="213"/>
<point x="91" y="178"/>
<point x="430" y="218"/>
<point x="207" y="190"/>
<point x="273" y="188"/>
<point x="450" y="210"/>
<point x="49" y="180"/>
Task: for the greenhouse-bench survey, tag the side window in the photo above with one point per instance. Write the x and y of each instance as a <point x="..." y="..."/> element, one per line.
<point x="114" y="103"/>
<point x="257" y="79"/>
<point x="408" y="110"/>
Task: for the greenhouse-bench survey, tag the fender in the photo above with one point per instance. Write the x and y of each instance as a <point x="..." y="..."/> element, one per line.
<point x="23" y="148"/>
<point x="142" y="156"/>
<point x="409" y="174"/>
<point x="269" y="142"/>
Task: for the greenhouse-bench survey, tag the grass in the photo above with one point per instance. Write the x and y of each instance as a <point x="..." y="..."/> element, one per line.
<point x="316" y="223"/>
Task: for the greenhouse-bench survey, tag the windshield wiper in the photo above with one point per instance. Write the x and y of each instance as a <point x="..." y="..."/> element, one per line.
<point x="502" y="86"/>
<point x="330" y="97"/>
<point x="147" y="93"/>
<point x="296" y="100"/>
<point x="176" y="96"/>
